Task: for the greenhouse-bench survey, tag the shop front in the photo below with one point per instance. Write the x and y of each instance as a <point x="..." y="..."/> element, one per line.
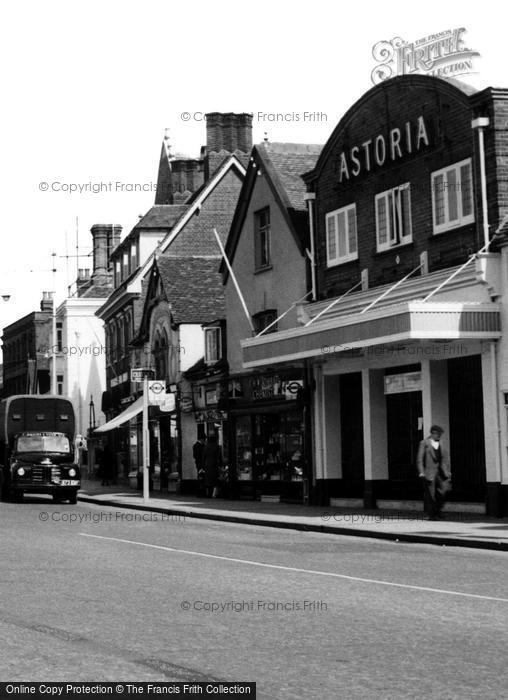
<point x="269" y="435"/>
<point x="383" y="377"/>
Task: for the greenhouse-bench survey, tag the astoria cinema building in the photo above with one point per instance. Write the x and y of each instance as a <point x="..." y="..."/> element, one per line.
<point x="408" y="207"/>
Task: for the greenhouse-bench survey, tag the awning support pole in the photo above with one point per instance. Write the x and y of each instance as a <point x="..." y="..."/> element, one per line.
<point x="459" y="269"/>
<point x="235" y="282"/>
<point x="394" y="286"/>
<point x="335" y="301"/>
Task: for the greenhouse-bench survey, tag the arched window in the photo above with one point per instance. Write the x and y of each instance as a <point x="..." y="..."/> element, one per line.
<point x="112" y="342"/>
<point x="107" y="345"/>
<point x="127" y="332"/>
<point x="160" y="352"/>
<point x="119" y="339"/>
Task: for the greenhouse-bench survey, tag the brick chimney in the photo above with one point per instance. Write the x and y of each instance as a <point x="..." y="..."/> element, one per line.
<point x="178" y="176"/>
<point x="83" y="281"/>
<point x="226" y="133"/>
<point x="105" y="239"/>
<point x="47" y="301"/>
<point x="186" y="178"/>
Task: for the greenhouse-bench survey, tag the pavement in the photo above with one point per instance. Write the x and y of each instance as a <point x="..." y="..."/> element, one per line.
<point x="456" y="529"/>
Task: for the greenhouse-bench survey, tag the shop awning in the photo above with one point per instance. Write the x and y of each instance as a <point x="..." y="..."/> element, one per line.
<point x="412" y="320"/>
<point x="123" y="417"/>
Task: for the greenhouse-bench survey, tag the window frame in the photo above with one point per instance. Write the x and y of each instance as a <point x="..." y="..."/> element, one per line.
<point x="462" y="220"/>
<point x="349" y="256"/>
<point x="258" y="231"/>
<point x="262" y="319"/>
<point x="117" y="271"/>
<point x="217" y="332"/>
<point x="59" y="336"/>
<point x="404" y="239"/>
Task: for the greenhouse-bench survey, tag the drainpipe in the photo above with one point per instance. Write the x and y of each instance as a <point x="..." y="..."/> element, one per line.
<point x="310" y="198"/>
<point x="481" y="123"/>
<point x="497" y="427"/>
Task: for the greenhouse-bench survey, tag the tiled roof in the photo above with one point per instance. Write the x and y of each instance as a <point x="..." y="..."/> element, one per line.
<point x="286" y="163"/>
<point x="193" y="287"/>
<point x="162" y="216"/>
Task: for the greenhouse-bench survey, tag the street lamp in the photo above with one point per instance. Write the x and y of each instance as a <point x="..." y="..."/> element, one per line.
<point x="92" y="414"/>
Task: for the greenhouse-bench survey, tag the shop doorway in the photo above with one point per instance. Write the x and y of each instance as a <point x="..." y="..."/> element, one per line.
<point x="351" y="430"/>
<point x="466" y="439"/>
<point x="404" y="429"/>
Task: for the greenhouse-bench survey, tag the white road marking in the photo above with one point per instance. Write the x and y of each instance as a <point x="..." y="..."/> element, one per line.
<point x="297" y="570"/>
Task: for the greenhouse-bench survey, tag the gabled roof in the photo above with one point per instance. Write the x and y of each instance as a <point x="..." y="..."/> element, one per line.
<point x="192" y="208"/>
<point x="161" y="216"/>
<point x="192" y="287"/>
<point x="282" y="164"/>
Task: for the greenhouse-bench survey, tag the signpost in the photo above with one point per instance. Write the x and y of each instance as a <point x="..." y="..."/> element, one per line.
<point x="141" y="375"/>
<point x="156" y="392"/>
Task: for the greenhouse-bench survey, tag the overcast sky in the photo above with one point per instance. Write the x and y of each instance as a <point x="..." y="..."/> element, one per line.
<point x="90" y="87"/>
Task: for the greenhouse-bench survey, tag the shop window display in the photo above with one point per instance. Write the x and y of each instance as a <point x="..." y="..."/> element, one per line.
<point x="269" y="446"/>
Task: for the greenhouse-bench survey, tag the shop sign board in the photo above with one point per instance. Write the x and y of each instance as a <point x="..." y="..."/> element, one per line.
<point x="403" y="383"/>
<point x="139" y="373"/>
<point x="273" y="387"/>
<point x="186" y="404"/>
<point x="210" y="416"/>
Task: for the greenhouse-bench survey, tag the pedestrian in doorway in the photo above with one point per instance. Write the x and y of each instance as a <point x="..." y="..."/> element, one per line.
<point x="106" y="470"/>
<point x="433" y="465"/>
<point x="197" y="452"/>
<point x="212" y="461"/>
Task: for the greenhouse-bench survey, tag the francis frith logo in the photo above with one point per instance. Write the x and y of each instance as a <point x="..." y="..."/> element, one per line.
<point x="441" y="55"/>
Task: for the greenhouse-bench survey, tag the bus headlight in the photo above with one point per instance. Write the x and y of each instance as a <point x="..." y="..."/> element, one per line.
<point x="20" y="471"/>
<point x="72" y="472"/>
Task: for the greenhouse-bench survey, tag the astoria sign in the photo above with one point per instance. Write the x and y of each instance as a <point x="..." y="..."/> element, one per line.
<point x="394" y="144"/>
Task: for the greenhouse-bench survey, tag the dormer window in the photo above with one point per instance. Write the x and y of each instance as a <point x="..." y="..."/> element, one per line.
<point x="118" y="273"/>
<point x="393" y="217"/>
<point x="134" y="257"/>
<point x="213" y="345"/>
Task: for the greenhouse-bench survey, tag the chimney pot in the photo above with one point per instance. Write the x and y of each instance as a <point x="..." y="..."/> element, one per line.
<point x="47" y="301"/>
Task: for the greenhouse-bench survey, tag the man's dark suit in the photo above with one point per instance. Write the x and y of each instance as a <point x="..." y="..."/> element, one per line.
<point x="435" y="469"/>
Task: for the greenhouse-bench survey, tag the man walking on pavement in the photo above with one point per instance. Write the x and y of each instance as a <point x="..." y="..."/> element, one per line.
<point x="197" y="452"/>
<point x="212" y="461"/>
<point x="433" y="465"/>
